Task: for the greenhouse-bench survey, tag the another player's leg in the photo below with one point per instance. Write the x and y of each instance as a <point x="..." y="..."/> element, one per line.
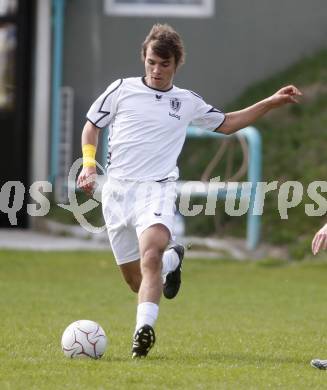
<point x="319" y="363"/>
<point x="152" y="242"/>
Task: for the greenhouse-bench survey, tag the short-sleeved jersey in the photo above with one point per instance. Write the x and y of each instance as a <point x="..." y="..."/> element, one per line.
<point x="147" y="127"/>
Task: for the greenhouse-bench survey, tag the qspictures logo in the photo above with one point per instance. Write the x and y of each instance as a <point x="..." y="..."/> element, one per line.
<point x="238" y="198"/>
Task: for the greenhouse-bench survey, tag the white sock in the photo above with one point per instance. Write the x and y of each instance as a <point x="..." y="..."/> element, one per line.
<point x="170" y="261"/>
<point x="147" y="314"/>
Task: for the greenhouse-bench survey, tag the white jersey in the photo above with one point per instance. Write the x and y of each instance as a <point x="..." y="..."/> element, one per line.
<point x="147" y="127"/>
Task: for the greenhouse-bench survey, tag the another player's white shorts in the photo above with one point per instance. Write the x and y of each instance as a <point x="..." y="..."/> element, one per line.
<point x="131" y="207"/>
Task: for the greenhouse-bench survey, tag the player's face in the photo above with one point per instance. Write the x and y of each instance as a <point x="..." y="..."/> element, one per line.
<point x="159" y="72"/>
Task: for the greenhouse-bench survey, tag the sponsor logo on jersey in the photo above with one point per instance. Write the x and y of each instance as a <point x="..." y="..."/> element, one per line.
<point x="158" y="97"/>
<point x="175" y="104"/>
<point x="175" y="116"/>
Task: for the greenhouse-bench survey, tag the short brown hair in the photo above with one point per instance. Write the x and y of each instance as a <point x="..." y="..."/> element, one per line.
<point x="166" y="42"/>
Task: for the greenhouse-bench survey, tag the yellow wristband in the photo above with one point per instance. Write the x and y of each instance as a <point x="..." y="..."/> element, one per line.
<point x="89" y="151"/>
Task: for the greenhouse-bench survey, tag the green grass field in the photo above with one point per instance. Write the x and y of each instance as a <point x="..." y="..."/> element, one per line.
<point x="233" y="326"/>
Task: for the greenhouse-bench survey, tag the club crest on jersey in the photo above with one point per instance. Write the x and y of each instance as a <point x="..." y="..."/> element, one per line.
<point x="175" y="104"/>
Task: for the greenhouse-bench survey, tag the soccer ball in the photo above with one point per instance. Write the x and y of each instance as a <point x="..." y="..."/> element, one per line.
<point x="83" y="339"/>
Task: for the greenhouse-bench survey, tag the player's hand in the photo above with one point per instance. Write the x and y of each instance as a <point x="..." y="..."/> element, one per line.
<point x="285" y="95"/>
<point x="320" y="240"/>
<point x="87" y="180"/>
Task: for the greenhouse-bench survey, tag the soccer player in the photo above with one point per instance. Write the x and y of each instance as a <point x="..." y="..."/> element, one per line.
<point x="147" y="118"/>
<point x="319" y="242"/>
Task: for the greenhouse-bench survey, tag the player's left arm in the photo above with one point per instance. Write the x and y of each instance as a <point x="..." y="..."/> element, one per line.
<point x="320" y="240"/>
<point x="239" y="119"/>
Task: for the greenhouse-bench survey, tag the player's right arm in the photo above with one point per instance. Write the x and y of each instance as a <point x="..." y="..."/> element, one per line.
<point x="86" y="179"/>
<point x="98" y="117"/>
<point x="320" y="240"/>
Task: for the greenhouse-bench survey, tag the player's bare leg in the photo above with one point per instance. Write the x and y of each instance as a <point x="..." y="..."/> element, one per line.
<point x="153" y="241"/>
<point x="172" y="261"/>
<point x="132" y="274"/>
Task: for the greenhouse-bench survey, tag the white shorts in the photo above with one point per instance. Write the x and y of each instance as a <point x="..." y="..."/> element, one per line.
<point x="131" y="207"/>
